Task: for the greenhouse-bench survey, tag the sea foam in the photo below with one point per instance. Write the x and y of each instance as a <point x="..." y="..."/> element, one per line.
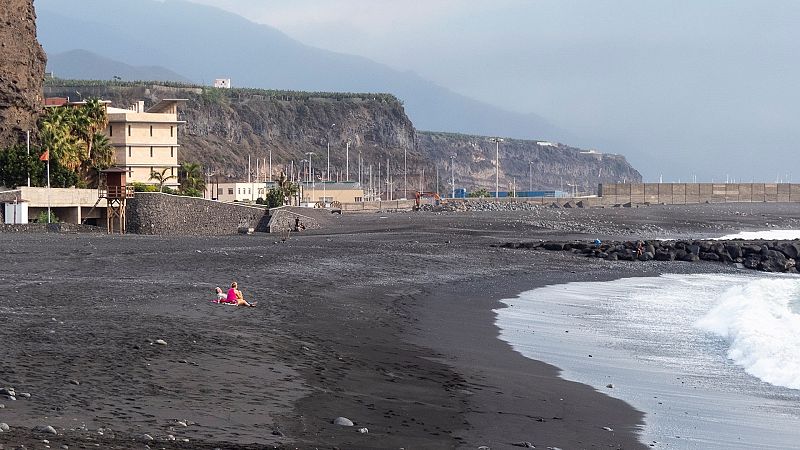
<point x="761" y="328"/>
<point x="778" y="235"/>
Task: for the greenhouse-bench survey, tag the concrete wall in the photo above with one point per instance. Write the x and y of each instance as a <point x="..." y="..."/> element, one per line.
<point x="164" y="214"/>
<point x="401" y="205"/>
<point x="688" y="193"/>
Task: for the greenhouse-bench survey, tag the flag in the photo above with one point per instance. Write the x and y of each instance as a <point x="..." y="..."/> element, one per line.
<point x="45" y="156"/>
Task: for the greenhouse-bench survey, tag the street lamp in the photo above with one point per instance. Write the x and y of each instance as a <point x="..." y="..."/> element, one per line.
<point x="328" y="172"/>
<point x="348" y="159"/>
<point x="530" y="176"/>
<point x="497" y="142"/>
<point x="309" y="165"/>
<point x="453" y="174"/>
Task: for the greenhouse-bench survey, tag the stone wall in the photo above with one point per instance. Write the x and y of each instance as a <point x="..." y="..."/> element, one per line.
<point x="164" y="214"/>
<point x="283" y="219"/>
<point x="22" y="63"/>
<point x="688" y="193"/>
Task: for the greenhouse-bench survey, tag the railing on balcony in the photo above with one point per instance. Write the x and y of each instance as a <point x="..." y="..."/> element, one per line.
<point x="115" y="192"/>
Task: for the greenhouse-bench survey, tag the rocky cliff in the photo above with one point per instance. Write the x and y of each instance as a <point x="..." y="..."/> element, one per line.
<point x="225" y="126"/>
<point x="22" y="63"/>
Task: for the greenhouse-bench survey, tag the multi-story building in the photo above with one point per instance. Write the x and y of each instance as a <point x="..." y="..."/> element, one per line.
<point x="146" y="141"/>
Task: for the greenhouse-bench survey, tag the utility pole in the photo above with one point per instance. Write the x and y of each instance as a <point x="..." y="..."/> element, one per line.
<point x="497" y="142"/>
<point x="437" y="178"/>
<point x="405" y="172"/>
<point x="270" y="164"/>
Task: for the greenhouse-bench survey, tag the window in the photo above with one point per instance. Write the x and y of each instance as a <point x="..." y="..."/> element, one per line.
<point x="249" y="191"/>
<point x="238" y="190"/>
<point x="129" y="151"/>
<point x="230" y="191"/>
<point x="172" y="152"/>
<point x="172" y="131"/>
<point x="359" y="199"/>
<point x="151" y="131"/>
<point x="151" y="152"/>
<point x="172" y="171"/>
<point x="111" y="131"/>
<point x="129" y="130"/>
<point x="152" y="169"/>
<point x="130" y="172"/>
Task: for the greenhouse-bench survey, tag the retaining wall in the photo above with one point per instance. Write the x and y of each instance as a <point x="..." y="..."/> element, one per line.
<point x="688" y="193"/>
<point x="163" y="214"/>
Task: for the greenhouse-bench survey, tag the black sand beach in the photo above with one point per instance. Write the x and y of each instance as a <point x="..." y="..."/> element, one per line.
<point x="385" y="319"/>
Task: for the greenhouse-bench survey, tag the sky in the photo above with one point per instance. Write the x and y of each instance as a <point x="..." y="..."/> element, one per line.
<point x="683" y="88"/>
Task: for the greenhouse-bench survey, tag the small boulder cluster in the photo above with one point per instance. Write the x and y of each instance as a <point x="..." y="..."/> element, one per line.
<point x="767" y="256"/>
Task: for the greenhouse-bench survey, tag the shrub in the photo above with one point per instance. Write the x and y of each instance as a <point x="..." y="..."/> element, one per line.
<point x="42" y="217"/>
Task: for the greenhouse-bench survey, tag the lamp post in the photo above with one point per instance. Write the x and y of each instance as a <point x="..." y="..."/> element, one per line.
<point x="328" y="172"/>
<point x="405" y="172"/>
<point x="347" y="170"/>
<point x="453" y="174"/>
<point x="497" y="142"/>
<point x="530" y="176"/>
<point x="309" y="165"/>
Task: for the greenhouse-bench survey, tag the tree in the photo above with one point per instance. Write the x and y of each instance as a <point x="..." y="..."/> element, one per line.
<point x="57" y="136"/>
<point x="286" y="188"/>
<point x="192" y="183"/>
<point x="161" y="177"/>
<point x="480" y="193"/>
<point x="15" y="166"/>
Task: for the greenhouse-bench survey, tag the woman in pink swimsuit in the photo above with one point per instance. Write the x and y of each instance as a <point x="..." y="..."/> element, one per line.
<point x="235" y="296"/>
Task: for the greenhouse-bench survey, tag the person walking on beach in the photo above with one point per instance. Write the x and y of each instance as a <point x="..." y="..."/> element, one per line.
<point x="235" y="296"/>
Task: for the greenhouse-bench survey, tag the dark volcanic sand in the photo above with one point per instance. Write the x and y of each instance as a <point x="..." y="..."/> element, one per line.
<point x="382" y="318"/>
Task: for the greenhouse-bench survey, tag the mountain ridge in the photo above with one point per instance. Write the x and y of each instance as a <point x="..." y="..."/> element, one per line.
<point x="209" y="43"/>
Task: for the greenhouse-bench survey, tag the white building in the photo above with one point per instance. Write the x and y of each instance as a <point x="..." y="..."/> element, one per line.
<point x="222" y="83"/>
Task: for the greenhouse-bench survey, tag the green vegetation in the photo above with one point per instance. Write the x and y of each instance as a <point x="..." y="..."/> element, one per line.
<point x="42" y="218"/>
<point x="480" y="193"/>
<point x="212" y="94"/>
<point x="161" y="177"/>
<point x="74" y="140"/>
<point x="191" y="179"/>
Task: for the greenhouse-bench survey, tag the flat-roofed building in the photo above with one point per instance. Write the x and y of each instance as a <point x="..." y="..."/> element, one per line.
<point x="146" y="141"/>
<point x="331" y="191"/>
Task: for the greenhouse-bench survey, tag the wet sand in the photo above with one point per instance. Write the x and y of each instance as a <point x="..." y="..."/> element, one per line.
<point x="385" y="319"/>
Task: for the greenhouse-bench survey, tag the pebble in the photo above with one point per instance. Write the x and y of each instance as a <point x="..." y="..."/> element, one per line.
<point x="610" y="386"/>
<point x="147" y="437"/>
<point x="25" y="395"/>
<point x="524" y="444"/>
<point x="2" y="406"/>
<point x="363" y="430"/>
<point x="608" y="428"/>
<point x="161" y="342"/>
<point x="46" y="429"/>
<point x="4" y="428"/>
<point x="75" y="382"/>
<point x="343" y="421"/>
<point x="170" y="437"/>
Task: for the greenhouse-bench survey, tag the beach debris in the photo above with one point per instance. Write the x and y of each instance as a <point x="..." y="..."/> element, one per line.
<point x="170" y="437"/>
<point x="4" y="428"/>
<point x="8" y="392"/>
<point x="484" y="447"/>
<point x="45" y="429"/>
<point x="45" y="441"/>
<point x="608" y="428"/>
<point x="160" y="342"/>
<point x="25" y="395"/>
<point x="610" y="386"/>
<point x="2" y="406"/>
<point x="343" y="421"/>
<point x="363" y="430"/>
<point x="147" y="437"/>
<point x="75" y="382"/>
<point x="523" y="444"/>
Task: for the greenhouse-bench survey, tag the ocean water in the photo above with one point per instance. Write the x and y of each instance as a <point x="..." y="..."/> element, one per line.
<point x="712" y="360"/>
<point x="770" y="235"/>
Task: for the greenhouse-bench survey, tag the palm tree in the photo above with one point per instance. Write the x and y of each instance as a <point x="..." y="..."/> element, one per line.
<point x="286" y="187"/>
<point x="57" y="137"/>
<point x="161" y="177"/>
<point x="192" y="178"/>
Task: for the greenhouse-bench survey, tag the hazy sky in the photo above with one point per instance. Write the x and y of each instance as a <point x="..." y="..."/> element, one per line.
<point x="681" y="86"/>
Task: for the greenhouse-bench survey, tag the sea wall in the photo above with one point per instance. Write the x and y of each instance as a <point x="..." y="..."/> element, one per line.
<point x="767" y="256"/>
<point x="164" y="214"/>
<point x="688" y="193"/>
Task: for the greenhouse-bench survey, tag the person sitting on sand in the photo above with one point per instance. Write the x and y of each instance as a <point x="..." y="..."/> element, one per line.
<point x="221" y="296"/>
<point x="235" y="296"/>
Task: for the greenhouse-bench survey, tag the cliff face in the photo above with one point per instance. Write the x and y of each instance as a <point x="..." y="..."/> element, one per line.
<point x="535" y="165"/>
<point x="22" y="63"/>
<point x="225" y="126"/>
